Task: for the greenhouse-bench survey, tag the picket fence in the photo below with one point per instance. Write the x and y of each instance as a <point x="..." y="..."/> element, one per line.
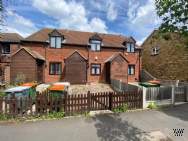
<point x="70" y="104"/>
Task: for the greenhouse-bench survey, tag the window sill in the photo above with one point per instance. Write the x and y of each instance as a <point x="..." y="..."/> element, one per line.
<point x="95" y="74"/>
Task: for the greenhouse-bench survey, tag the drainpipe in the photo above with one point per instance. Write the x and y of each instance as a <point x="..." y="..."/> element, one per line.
<point x="139" y="65"/>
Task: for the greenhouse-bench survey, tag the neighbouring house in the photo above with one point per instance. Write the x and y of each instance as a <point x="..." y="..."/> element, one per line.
<point x="165" y="56"/>
<point x="51" y="55"/>
<point x="9" y="43"/>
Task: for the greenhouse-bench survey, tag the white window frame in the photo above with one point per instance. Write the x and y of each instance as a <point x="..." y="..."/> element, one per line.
<point x="155" y="51"/>
<point x="95" y="69"/>
<point x="130" y="47"/>
<point x="95" y="45"/>
<point x="131" y="69"/>
<point x="54" y="44"/>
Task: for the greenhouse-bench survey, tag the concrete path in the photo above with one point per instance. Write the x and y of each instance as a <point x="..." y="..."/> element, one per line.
<point x="132" y="126"/>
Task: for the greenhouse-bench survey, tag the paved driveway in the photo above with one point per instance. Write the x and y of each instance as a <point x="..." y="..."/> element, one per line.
<point x="132" y="126"/>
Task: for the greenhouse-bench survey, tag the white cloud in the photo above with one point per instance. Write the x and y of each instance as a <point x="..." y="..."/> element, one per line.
<point x="70" y="15"/>
<point x="139" y="42"/>
<point x="19" y="24"/>
<point x="112" y="11"/>
<point x="142" y="19"/>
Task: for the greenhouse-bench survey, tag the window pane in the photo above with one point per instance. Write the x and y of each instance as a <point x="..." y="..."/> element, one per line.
<point x="132" y="47"/>
<point x="131" y="69"/>
<point x="97" y="70"/>
<point x="93" y="71"/>
<point x="93" y="47"/>
<point x="52" y="69"/>
<point x="128" y="47"/>
<point x="58" y="42"/>
<point x="98" y="47"/>
<point x="6" y="49"/>
<point x="52" y="42"/>
<point x="55" y="68"/>
<point x="59" y="68"/>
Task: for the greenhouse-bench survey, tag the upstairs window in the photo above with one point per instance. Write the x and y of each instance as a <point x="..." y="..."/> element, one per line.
<point x="55" y="68"/>
<point x="130" y="47"/>
<point x="5" y="49"/>
<point x="155" y="51"/>
<point x="55" y="42"/>
<point x="95" y="69"/>
<point x="131" y="69"/>
<point x="95" y="45"/>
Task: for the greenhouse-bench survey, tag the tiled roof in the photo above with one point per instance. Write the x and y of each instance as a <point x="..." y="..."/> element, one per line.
<point x="79" y="38"/>
<point x="10" y="37"/>
<point x="34" y="54"/>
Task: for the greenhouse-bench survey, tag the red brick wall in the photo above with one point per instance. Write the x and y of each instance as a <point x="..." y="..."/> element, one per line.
<point x="58" y="55"/>
<point x="5" y="62"/>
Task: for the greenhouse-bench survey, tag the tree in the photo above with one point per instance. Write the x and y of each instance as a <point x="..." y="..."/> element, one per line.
<point x="2" y="10"/>
<point x="174" y="14"/>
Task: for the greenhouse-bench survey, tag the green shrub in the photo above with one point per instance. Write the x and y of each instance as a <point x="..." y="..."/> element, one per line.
<point x="2" y="94"/>
<point x="57" y="115"/>
<point x="120" y="109"/>
<point x="166" y="36"/>
<point x="4" y="117"/>
<point x="152" y="105"/>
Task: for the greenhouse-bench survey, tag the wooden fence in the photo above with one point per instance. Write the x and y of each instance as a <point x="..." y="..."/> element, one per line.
<point x="70" y="104"/>
<point x="119" y="86"/>
<point x="158" y="93"/>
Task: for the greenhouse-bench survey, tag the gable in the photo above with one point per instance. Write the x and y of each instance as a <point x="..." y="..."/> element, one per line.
<point x="116" y="57"/>
<point x="75" y="57"/>
<point x="55" y="33"/>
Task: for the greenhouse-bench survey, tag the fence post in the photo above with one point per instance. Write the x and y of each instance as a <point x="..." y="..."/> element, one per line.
<point x="89" y="100"/>
<point x="110" y="101"/>
<point x="173" y="95"/>
<point x="65" y="103"/>
<point x="144" y="102"/>
<point x="186" y="92"/>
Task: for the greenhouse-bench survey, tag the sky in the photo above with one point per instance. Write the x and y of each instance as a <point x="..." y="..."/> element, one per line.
<point x="136" y="18"/>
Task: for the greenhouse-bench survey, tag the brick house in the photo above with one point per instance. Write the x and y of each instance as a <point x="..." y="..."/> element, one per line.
<point x="77" y="57"/>
<point x="9" y="43"/>
<point x="165" y="56"/>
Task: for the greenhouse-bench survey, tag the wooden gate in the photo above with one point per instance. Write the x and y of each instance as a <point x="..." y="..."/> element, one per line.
<point x="100" y="101"/>
<point x="180" y="93"/>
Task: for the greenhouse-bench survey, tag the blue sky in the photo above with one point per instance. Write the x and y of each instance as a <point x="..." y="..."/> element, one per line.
<point x="135" y="18"/>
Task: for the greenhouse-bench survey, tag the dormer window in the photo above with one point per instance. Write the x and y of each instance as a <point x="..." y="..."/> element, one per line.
<point x="5" y="49"/>
<point x="95" y="42"/>
<point x="155" y="50"/>
<point x="130" y="47"/>
<point x="55" y="42"/>
<point x="95" y="45"/>
<point x="55" y="38"/>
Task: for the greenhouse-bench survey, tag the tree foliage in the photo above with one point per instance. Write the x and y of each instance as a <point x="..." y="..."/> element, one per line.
<point x="1" y="12"/>
<point x="174" y="14"/>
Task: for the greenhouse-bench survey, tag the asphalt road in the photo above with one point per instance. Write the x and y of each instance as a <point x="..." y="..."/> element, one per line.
<point x="132" y="126"/>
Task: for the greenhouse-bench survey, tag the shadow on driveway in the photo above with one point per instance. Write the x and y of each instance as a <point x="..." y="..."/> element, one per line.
<point x="178" y="111"/>
<point x="113" y="128"/>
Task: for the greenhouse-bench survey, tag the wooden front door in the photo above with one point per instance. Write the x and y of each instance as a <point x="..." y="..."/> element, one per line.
<point x="40" y="65"/>
<point x="76" y="69"/>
